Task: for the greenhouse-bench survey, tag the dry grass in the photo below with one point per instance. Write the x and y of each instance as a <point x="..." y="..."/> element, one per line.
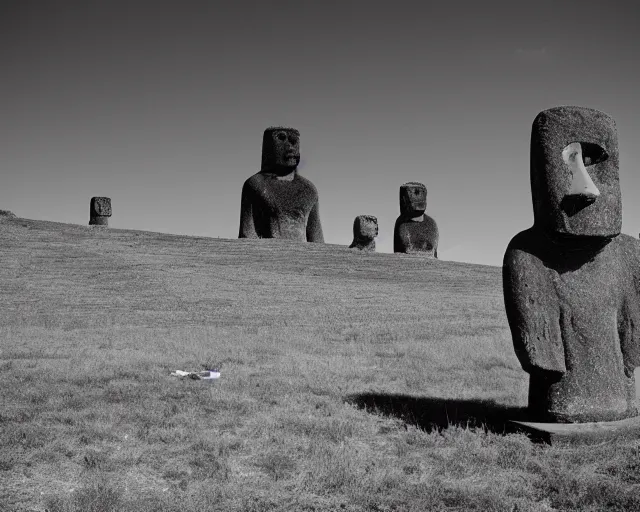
<point x="357" y="382"/>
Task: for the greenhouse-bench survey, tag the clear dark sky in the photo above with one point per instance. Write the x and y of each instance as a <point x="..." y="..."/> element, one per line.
<point x="161" y="106"/>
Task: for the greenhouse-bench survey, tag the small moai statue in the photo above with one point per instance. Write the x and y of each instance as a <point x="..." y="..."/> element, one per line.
<point x="415" y="231"/>
<point x="571" y="282"/>
<point x="277" y="202"/>
<point x="365" y="230"/>
<point x="99" y="211"/>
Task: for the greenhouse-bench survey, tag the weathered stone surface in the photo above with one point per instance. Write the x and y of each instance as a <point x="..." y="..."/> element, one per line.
<point x="277" y="202"/>
<point x="551" y="177"/>
<point x="580" y="433"/>
<point x="571" y="282"/>
<point x="414" y="231"/>
<point x="365" y="230"/>
<point x="99" y="211"/>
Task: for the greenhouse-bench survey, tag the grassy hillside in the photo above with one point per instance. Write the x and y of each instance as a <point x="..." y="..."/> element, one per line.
<point x="349" y="381"/>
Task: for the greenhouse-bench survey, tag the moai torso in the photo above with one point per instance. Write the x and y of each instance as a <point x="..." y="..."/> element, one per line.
<point x="573" y="318"/>
<point x="416" y="236"/>
<point x="279" y="209"/>
<point x="277" y="202"/>
<point x="571" y="282"/>
<point x="99" y="211"/>
<point x="365" y="230"/>
<point x="415" y="231"/>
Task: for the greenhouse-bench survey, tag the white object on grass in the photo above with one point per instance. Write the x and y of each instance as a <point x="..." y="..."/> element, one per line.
<point x="204" y="375"/>
<point x="208" y="374"/>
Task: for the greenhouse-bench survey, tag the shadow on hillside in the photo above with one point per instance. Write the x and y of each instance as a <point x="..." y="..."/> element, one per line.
<point x="431" y="414"/>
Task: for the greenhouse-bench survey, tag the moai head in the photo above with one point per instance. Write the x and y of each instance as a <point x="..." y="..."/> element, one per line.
<point x="99" y="211"/>
<point x="280" y="149"/>
<point x="574" y="173"/>
<point x="365" y="227"/>
<point x="413" y="199"/>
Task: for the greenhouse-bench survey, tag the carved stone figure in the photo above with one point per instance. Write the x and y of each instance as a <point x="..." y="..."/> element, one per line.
<point x="365" y="230"/>
<point x="572" y="281"/>
<point x="99" y="211"/>
<point x="277" y="202"/>
<point x="415" y="231"/>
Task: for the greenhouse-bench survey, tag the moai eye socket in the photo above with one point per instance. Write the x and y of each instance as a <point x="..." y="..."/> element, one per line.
<point x="592" y="153"/>
<point x="281" y="136"/>
<point x="293" y="139"/>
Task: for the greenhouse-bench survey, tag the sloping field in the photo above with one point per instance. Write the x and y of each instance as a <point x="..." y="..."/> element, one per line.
<point x="349" y="381"/>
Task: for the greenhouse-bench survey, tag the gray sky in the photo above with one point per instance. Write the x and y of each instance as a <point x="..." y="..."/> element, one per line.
<point x="161" y="106"/>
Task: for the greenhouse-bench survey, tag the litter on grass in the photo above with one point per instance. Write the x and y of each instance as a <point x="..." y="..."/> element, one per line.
<point x="204" y="375"/>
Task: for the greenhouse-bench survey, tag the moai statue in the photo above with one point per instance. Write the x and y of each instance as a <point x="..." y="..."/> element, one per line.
<point x="571" y="281"/>
<point x="99" y="211"/>
<point x="415" y="231"/>
<point x="365" y="230"/>
<point x="277" y="202"/>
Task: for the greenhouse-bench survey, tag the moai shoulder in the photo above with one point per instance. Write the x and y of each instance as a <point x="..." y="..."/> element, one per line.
<point x="365" y="230"/>
<point x="277" y="202"/>
<point x="99" y="211"/>
<point x="571" y="282"/>
<point x="415" y="231"/>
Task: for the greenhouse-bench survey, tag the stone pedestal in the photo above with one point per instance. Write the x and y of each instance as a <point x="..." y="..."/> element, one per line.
<point x="579" y="433"/>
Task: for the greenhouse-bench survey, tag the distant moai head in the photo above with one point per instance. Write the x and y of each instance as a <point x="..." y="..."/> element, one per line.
<point x="280" y="149"/>
<point x="575" y="184"/>
<point x="365" y="227"/>
<point x="413" y="199"/>
<point x="365" y="230"/>
<point x="99" y="211"/>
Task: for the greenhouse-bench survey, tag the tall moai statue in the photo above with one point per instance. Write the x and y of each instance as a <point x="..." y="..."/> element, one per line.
<point x="99" y="211"/>
<point x="415" y="231"/>
<point x="365" y="230"/>
<point x="277" y="202"/>
<point x="572" y="281"/>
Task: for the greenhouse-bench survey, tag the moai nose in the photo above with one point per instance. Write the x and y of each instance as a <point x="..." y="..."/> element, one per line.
<point x="581" y="183"/>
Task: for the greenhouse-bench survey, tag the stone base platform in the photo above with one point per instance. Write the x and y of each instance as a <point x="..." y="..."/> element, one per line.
<point x="580" y="433"/>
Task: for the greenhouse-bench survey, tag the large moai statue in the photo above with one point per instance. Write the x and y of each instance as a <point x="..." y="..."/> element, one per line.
<point x="572" y="281"/>
<point x="277" y="202"/>
<point x="415" y="231"/>
<point x="365" y="230"/>
<point x="99" y="211"/>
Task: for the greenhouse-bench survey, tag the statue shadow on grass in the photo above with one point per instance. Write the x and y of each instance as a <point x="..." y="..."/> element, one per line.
<point x="431" y="414"/>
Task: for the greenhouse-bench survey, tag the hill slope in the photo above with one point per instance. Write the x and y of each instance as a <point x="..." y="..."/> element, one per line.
<point x="88" y="274"/>
<point x="311" y="341"/>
